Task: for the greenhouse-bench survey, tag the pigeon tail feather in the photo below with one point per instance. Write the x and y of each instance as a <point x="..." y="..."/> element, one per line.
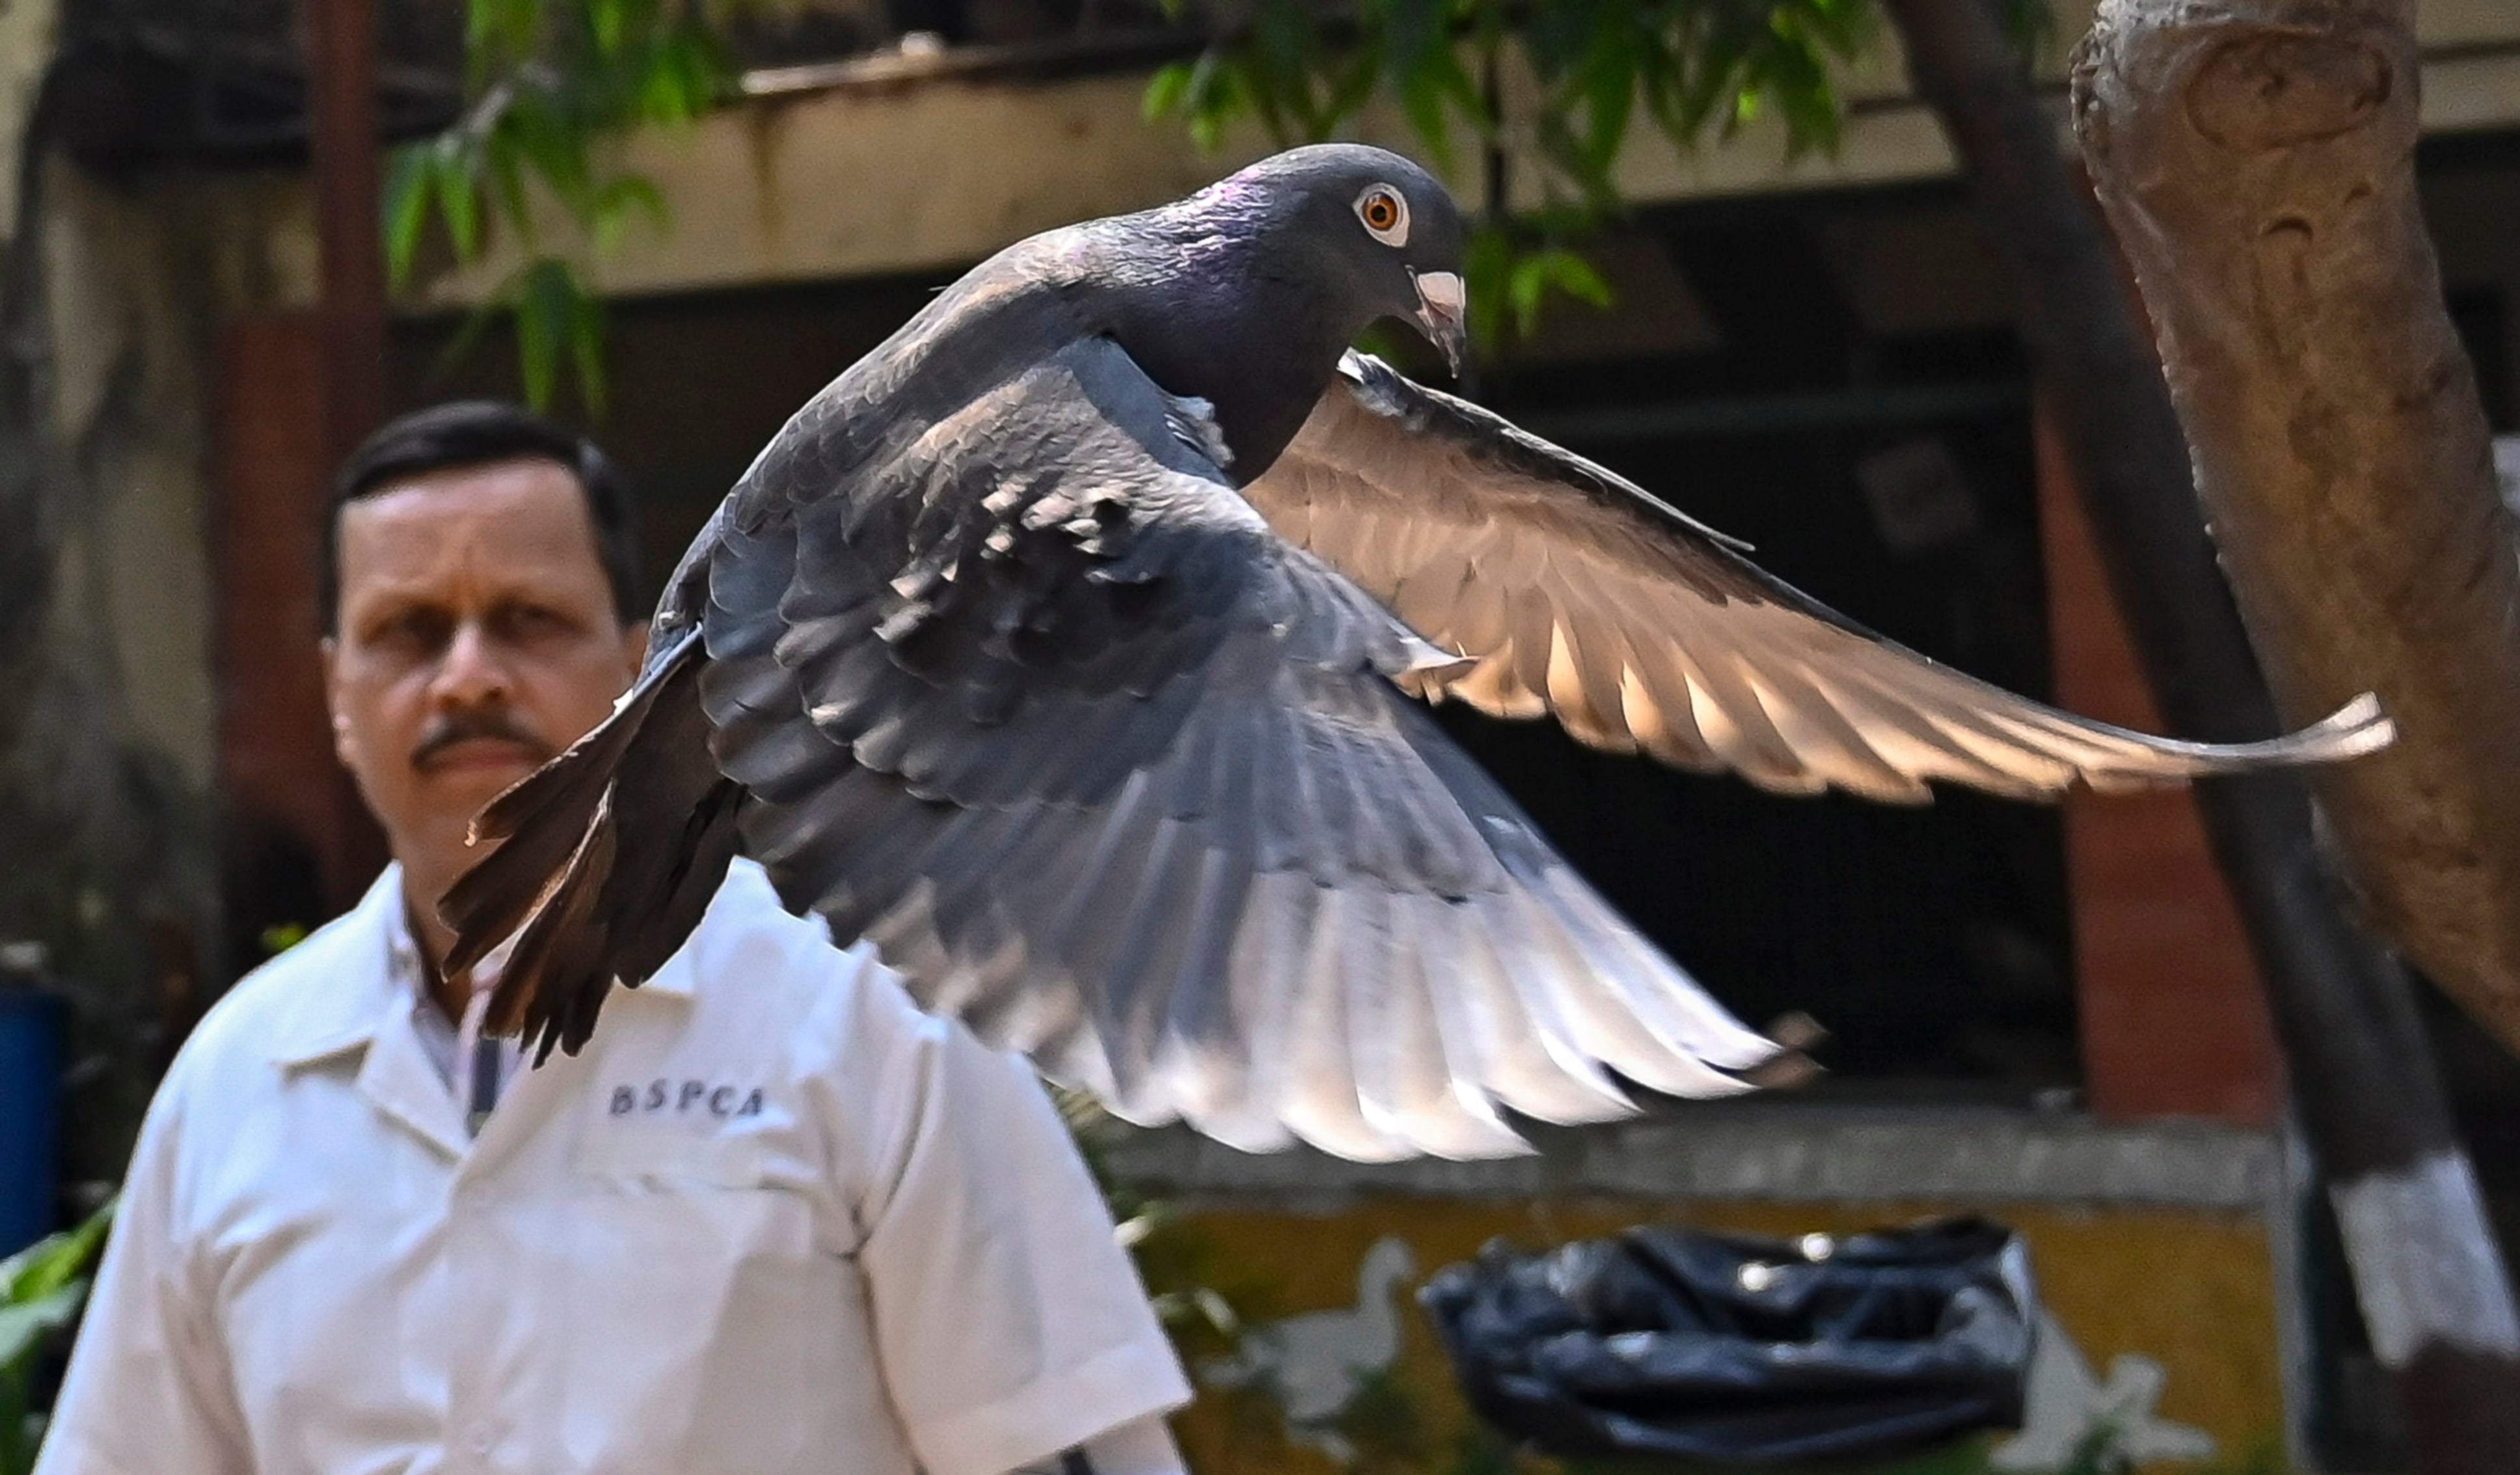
<point x="610" y="854"/>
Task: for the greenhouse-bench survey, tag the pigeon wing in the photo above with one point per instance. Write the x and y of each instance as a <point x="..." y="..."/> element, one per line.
<point x="1040" y="705"/>
<point x="1576" y="593"/>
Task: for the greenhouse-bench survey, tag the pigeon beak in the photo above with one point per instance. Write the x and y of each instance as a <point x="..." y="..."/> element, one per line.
<point x="1443" y="313"/>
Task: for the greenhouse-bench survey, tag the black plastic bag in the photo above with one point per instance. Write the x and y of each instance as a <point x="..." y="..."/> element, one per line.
<point x="1733" y="1348"/>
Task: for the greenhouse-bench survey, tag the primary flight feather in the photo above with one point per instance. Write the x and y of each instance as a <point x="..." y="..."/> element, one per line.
<point x="1068" y="646"/>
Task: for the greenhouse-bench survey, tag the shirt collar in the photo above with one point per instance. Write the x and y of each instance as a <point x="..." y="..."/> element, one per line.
<point x="372" y="968"/>
<point x="402" y="955"/>
<point x="357" y="985"/>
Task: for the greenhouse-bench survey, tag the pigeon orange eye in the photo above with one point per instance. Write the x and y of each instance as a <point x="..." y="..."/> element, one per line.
<point x="1385" y="215"/>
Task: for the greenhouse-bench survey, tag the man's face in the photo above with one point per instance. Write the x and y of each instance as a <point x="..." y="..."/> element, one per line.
<point x="477" y="638"/>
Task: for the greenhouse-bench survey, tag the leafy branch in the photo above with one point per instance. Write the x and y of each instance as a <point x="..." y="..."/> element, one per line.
<point x="1685" y="67"/>
<point x="548" y="81"/>
<point x="1599" y="71"/>
<point x="41" y="1288"/>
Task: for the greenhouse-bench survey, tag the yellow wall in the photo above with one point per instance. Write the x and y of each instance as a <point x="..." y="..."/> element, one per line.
<point x="2193" y="1290"/>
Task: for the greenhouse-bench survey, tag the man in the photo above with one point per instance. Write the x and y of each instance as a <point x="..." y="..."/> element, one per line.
<point x="774" y="1220"/>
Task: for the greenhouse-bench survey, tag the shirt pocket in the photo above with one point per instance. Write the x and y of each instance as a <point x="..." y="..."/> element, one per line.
<point x="706" y="1330"/>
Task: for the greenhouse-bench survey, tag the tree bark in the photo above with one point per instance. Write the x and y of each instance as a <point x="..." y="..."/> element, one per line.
<point x="2256" y="159"/>
<point x="2426" y="1270"/>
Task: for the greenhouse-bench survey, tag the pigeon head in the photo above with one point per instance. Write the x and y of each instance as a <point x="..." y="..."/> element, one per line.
<point x="1383" y="235"/>
<point x="1245" y="293"/>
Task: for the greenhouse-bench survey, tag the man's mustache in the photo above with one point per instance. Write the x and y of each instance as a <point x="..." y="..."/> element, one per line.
<point x="487" y="724"/>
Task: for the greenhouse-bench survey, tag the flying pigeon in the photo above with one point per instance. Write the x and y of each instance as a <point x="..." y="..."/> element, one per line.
<point x="1069" y="647"/>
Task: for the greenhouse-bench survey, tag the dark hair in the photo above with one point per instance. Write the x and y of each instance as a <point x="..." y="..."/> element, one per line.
<point x="476" y="432"/>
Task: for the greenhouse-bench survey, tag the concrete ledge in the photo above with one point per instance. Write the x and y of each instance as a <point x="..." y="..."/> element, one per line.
<point x="1775" y="1155"/>
<point x="934" y="173"/>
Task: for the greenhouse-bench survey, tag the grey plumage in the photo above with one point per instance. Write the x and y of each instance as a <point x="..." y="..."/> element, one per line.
<point x="1064" y="645"/>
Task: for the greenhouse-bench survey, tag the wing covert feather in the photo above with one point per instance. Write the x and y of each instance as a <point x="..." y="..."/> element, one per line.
<point x="1575" y="593"/>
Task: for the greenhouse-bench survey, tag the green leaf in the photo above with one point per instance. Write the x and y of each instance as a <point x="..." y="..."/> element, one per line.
<point x="468" y="336"/>
<point x="543" y="323"/>
<point x="1522" y="289"/>
<point x="1417" y="47"/>
<point x="547" y="142"/>
<point x="675" y="85"/>
<point x="2032" y="25"/>
<point x="1609" y="92"/>
<point x="1508" y="280"/>
<point x="586" y="347"/>
<point x="53" y="1262"/>
<point x="40" y="1290"/>
<point x="503" y="28"/>
<point x="1167" y="91"/>
<point x="1804" y="97"/>
<point x="608" y="21"/>
<point x="25" y="1324"/>
<point x="507" y="175"/>
<point x="1351" y="83"/>
<point x="1572" y="275"/>
<point x="406" y="207"/>
<point x="1216" y="95"/>
<point x="459" y="196"/>
<point x="615" y="202"/>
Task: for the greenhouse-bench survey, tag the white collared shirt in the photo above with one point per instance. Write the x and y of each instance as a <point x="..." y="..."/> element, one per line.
<point x="772" y="1219"/>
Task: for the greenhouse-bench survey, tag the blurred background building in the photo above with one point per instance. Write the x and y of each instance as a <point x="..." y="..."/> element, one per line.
<point x="2047" y="1016"/>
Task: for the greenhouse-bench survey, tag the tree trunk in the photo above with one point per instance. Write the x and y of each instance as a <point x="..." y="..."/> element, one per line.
<point x="2257" y="158"/>
<point x="2426" y="1270"/>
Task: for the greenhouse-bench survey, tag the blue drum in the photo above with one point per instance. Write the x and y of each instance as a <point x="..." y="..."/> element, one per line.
<point x="30" y="1088"/>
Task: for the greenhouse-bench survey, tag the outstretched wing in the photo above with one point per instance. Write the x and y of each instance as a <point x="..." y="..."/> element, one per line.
<point x="1038" y="704"/>
<point x="1576" y="593"/>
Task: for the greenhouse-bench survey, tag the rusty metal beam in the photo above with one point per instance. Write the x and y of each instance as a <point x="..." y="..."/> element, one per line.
<point x="342" y="134"/>
<point x="342" y="73"/>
